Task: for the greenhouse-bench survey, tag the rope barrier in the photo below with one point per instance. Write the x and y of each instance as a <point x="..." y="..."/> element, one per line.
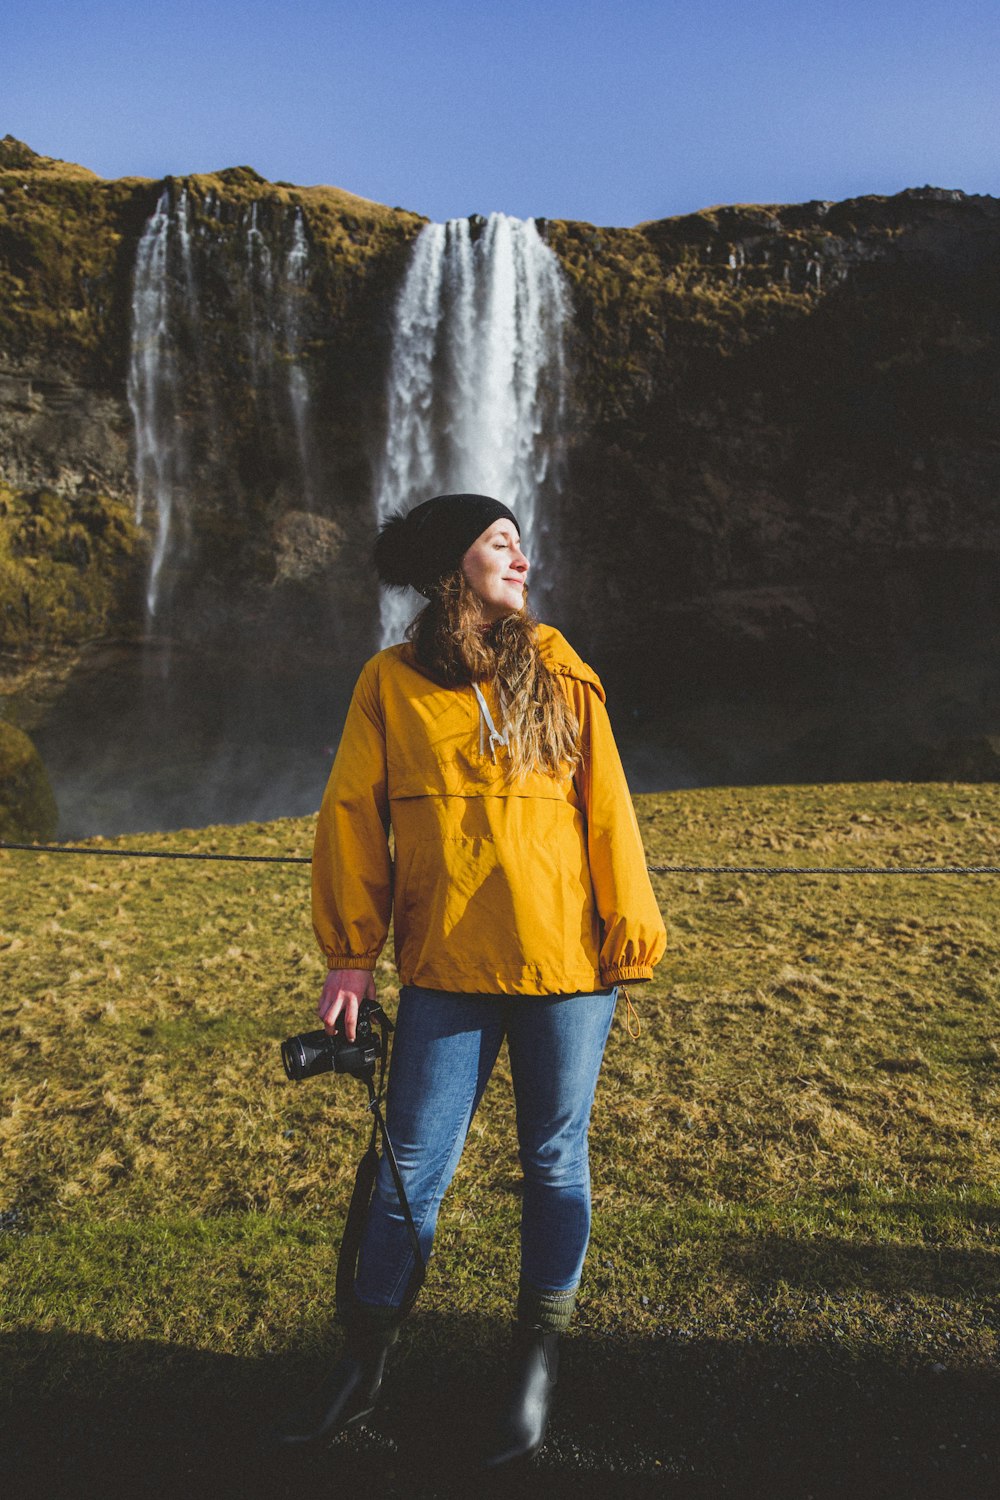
<point x="823" y="869"/>
<point x="243" y="859"/>
<point x="304" y="859"/>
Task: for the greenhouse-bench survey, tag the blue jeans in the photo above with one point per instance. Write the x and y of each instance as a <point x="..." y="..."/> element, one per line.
<point x="443" y="1053"/>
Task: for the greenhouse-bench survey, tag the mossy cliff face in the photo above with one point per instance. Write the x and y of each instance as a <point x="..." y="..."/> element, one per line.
<point x="69" y="567"/>
<point x="785" y="469"/>
<point x="781" y="460"/>
<point x="246" y="316"/>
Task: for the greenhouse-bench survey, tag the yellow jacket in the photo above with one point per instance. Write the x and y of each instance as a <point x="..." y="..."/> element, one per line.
<point x="532" y="888"/>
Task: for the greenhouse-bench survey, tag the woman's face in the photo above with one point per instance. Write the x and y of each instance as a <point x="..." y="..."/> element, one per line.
<point x="497" y="570"/>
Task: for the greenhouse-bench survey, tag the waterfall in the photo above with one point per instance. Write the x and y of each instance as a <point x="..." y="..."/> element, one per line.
<point x="153" y="388"/>
<point x="260" y="284"/>
<point x="296" y="276"/>
<point x="476" y="380"/>
<point x="255" y="269"/>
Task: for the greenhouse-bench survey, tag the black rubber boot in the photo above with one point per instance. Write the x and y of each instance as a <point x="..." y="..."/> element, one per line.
<point x="520" y="1430"/>
<point x="348" y="1394"/>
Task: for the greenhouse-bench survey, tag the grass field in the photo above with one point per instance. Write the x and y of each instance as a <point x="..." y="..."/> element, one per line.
<point x="792" y="1286"/>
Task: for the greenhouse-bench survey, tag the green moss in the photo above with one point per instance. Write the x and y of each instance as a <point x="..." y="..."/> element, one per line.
<point x="645" y="297"/>
<point x="16" y="155"/>
<point x="68" y="239"/>
<point x="27" y="806"/>
<point x="67" y="566"/>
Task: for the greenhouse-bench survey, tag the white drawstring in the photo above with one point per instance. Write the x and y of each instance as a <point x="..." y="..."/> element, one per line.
<point x="486" y="723"/>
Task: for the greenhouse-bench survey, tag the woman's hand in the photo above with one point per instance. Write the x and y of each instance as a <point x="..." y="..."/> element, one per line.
<point x="343" y="991"/>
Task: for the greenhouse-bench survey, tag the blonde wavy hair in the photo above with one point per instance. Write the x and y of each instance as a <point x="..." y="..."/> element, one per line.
<point x="451" y="639"/>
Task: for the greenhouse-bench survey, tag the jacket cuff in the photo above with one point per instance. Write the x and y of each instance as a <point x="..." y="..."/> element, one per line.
<point x="352" y="961"/>
<point x="619" y="973"/>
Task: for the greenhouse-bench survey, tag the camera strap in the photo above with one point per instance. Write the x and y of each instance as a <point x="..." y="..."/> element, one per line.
<point x="364" y="1188"/>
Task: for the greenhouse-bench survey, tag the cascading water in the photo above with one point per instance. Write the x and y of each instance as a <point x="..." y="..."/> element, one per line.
<point x="218" y="717"/>
<point x="259" y="273"/>
<point x="476" y="381"/>
<point x="260" y="283"/>
<point x="296" y="282"/>
<point x="153" y="393"/>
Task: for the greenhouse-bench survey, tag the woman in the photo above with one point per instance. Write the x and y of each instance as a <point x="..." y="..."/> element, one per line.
<point x="520" y="900"/>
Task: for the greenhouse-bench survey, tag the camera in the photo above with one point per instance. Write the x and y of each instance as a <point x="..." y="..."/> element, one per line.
<point x="314" y="1052"/>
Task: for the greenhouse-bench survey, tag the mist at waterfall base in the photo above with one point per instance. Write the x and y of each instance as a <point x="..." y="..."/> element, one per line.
<point x="176" y="734"/>
<point x="168" y="736"/>
<point x="184" y="734"/>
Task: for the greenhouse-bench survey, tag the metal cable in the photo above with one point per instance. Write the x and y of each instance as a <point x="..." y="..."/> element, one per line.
<point x="305" y="859"/>
<point x="245" y="859"/>
<point x="824" y="869"/>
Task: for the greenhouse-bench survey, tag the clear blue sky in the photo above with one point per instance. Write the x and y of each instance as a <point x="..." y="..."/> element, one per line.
<point x="610" y="112"/>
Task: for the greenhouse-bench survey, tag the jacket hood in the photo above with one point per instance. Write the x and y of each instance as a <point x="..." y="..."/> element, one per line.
<point x="560" y="658"/>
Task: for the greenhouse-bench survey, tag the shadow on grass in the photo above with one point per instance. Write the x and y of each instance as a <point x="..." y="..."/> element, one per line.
<point x="83" y="1418"/>
<point x="825" y="1263"/>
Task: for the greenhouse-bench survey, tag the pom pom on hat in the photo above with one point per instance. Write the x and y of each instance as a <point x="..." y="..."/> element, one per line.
<point x="393" y="555"/>
<point x="417" y="548"/>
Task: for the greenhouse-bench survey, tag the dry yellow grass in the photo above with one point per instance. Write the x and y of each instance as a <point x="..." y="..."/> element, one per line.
<point x="817" y="1077"/>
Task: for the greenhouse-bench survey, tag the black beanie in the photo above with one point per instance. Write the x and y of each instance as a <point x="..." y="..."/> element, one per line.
<point x="418" y="548"/>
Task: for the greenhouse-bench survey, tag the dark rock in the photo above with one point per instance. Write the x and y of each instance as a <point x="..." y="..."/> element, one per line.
<point x="306" y="547"/>
<point x="976" y="758"/>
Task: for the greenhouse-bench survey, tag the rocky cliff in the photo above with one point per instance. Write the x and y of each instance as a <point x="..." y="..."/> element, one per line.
<point x="777" y="523"/>
<point x="793" y="429"/>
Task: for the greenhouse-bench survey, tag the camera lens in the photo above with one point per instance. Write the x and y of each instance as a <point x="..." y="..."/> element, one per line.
<point x="308" y="1054"/>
